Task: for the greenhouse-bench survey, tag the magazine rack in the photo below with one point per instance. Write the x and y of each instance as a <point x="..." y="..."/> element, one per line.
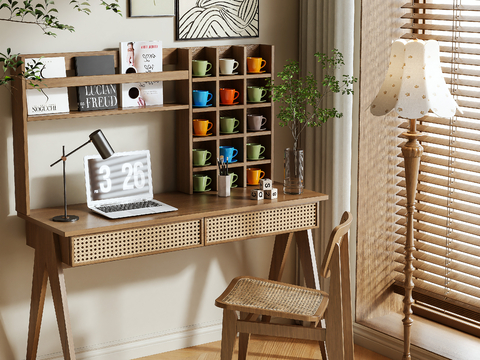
<point x="177" y="76"/>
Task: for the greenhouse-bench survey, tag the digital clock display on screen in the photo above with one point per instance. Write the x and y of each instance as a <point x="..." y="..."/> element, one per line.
<point x="124" y="175"/>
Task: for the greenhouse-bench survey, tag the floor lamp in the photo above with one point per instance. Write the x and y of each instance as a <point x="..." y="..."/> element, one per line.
<point x="414" y="86"/>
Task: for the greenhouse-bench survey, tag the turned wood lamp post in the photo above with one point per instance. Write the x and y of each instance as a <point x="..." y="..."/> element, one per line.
<point x="414" y="86"/>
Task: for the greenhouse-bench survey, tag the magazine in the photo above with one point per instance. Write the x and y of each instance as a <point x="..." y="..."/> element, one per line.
<point x="48" y="100"/>
<point x="141" y="57"/>
<point x="96" y="97"/>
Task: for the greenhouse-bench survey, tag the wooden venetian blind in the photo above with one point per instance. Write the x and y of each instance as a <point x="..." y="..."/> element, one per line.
<point x="447" y="226"/>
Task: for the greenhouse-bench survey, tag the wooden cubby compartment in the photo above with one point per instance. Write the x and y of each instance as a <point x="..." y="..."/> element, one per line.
<point x="240" y="80"/>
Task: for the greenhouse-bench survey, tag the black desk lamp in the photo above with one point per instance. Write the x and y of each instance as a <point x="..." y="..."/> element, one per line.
<point x="105" y="151"/>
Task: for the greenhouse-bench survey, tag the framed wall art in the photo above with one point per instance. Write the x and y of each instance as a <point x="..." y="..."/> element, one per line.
<point x="217" y="19"/>
<point x="146" y="8"/>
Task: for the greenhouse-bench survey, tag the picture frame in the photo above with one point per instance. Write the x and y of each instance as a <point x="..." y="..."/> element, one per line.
<point x="151" y="8"/>
<point x="217" y="19"/>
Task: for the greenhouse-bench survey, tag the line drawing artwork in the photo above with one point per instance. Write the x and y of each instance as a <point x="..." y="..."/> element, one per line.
<point x="203" y="19"/>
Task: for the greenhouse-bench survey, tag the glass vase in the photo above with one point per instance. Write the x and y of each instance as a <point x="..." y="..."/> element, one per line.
<point x="293" y="171"/>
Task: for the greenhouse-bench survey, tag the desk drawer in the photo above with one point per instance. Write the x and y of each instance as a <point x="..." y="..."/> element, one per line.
<point x="117" y="245"/>
<point x="261" y="223"/>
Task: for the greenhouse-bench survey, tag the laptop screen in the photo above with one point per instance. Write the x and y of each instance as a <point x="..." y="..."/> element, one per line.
<point x="121" y="178"/>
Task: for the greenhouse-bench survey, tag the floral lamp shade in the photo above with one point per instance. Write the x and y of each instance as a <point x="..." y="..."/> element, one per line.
<point x="414" y="84"/>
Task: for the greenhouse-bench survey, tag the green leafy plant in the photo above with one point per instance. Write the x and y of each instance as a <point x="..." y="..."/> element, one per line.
<point x="43" y="14"/>
<point x="301" y="99"/>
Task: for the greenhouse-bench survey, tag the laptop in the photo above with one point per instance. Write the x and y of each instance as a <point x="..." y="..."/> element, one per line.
<point x="121" y="186"/>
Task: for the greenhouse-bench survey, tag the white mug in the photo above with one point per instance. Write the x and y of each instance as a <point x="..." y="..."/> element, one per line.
<point x="227" y="66"/>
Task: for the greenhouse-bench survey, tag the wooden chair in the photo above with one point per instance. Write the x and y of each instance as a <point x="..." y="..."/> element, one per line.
<point x="254" y="297"/>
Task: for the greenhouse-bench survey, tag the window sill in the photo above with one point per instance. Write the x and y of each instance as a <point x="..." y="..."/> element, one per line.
<point x="427" y="335"/>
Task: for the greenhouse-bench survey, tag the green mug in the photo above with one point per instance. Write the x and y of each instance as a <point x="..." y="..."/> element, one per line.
<point x="255" y="93"/>
<point x="228" y="124"/>
<point x="233" y="178"/>
<point x="200" y="182"/>
<point x="200" y="67"/>
<point x="254" y="151"/>
<point x="200" y="157"/>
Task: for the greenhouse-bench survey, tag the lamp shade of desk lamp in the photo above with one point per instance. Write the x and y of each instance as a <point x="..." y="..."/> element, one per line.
<point x="413" y="87"/>
<point x="104" y="149"/>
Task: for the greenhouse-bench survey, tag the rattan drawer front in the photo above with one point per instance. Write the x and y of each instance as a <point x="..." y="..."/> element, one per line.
<point x="136" y="242"/>
<point x="260" y="223"/>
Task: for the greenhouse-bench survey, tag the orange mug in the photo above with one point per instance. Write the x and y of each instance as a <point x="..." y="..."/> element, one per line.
<point x="255" y="64"/>
<point x="254" y="176"/>
<point x="200" y="126"/>
<point x="228" y="96"/>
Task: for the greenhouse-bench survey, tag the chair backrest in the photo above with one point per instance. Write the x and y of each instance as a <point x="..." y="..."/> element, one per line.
<point x="339" y="315"/>
<point x="336" y="237"/>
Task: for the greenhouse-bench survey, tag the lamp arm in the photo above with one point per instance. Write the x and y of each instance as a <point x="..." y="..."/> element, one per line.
<point x="70" y="153"/>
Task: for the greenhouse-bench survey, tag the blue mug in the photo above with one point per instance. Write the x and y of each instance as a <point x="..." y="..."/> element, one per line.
<point x="201" y="97"/>
<point x="228" y="152"/>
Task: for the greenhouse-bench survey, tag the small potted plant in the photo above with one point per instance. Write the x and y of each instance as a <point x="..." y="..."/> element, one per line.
<point x="302" y="104"/>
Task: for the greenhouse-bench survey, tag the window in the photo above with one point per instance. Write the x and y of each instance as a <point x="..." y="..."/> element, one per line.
<point x="447" y="220"/>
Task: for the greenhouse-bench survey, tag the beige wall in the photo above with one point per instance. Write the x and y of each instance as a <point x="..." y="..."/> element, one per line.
<point x="130" y="301"/>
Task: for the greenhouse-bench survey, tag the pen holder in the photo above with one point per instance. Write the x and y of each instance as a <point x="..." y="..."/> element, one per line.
<point x="224" y="185"/>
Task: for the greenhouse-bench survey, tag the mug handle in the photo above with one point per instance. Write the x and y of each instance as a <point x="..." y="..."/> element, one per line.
<point x="237" y="94"/>
<point x="262" y="174"/>
<point x="209" y="66"/>
<point x="209" y="97"/>
<point x="264" y="121"/>
<point x="262" y="150"/>
<point x="264" y="62"/>
<point x="209" y="180"/>
<point x="210" y="125"/>
<point x="235" y="153"/>
<point x="237" y="122"/>
<point x="264" y="92"/>
<point x="235" y="64"/>
<point x="234" y="177"/>
<point x="209" y="154"/>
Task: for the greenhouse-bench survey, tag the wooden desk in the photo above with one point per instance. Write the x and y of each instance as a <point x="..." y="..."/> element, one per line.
<point x="202" y="220"/>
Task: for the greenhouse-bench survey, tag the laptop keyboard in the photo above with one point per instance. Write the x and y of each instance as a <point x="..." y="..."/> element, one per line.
<point x="128" y="206"/>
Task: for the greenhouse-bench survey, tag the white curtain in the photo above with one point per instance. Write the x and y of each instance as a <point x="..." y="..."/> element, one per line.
<point x="325" y="25"/>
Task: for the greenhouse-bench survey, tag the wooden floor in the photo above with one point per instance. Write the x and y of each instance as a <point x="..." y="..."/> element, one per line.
<point x="261" y="348"/>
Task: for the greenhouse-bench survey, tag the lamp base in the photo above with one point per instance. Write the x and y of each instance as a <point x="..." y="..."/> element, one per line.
<point x="68" y="218"/>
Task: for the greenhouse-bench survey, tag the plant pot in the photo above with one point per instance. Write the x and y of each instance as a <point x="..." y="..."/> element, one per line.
<point x="293" y="171"/>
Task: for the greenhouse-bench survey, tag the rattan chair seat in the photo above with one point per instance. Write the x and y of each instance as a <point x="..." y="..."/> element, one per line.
<point x="270" y="297"/>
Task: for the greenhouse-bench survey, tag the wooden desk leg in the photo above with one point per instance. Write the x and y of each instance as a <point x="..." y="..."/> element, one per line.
<point x="48" y="264"/>
<point x="39" y="286"/>
<point x="279" y="256"/>
<point x="306" y="251"/>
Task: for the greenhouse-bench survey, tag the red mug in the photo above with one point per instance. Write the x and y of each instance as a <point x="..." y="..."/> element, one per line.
<point x="228" y="96"/>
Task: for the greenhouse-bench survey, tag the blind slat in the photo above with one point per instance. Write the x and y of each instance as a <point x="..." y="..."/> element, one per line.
<point x="444" y="223"/>
<point x="454" y="235"/>
<point x="443" y="201"/>
<point x="440" y="17"/>
<point x="428" y="266"/>
<point x="463" y="261"/>
<point x="434" y="27"/>
<point x="441" y="38"/>
<point x="447" y="7"/>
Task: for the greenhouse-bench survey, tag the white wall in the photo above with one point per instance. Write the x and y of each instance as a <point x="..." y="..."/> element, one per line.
<point x="131" y="302"/>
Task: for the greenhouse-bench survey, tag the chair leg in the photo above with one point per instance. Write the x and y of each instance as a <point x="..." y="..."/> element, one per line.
<point x="243" y="341"/>
<point x="229" y="334"/>
<point x="323" y="344"/>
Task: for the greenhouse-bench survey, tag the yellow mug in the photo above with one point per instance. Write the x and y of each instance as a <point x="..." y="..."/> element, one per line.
<point x="201" y="126"/>
<point x="255" y="64"/>
<point x="254" y="175"/>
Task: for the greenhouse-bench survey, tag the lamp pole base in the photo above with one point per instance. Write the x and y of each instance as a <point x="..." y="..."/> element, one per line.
<point x="68" y="218"/>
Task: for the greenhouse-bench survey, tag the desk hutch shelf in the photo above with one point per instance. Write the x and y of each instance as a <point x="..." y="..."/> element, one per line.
<point x="178" y="86"/>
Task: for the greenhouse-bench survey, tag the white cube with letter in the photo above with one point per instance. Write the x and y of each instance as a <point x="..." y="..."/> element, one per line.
<point x="266" y="184"/>
<point x="256" y="194"/>
<point x="271" y="194"/>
